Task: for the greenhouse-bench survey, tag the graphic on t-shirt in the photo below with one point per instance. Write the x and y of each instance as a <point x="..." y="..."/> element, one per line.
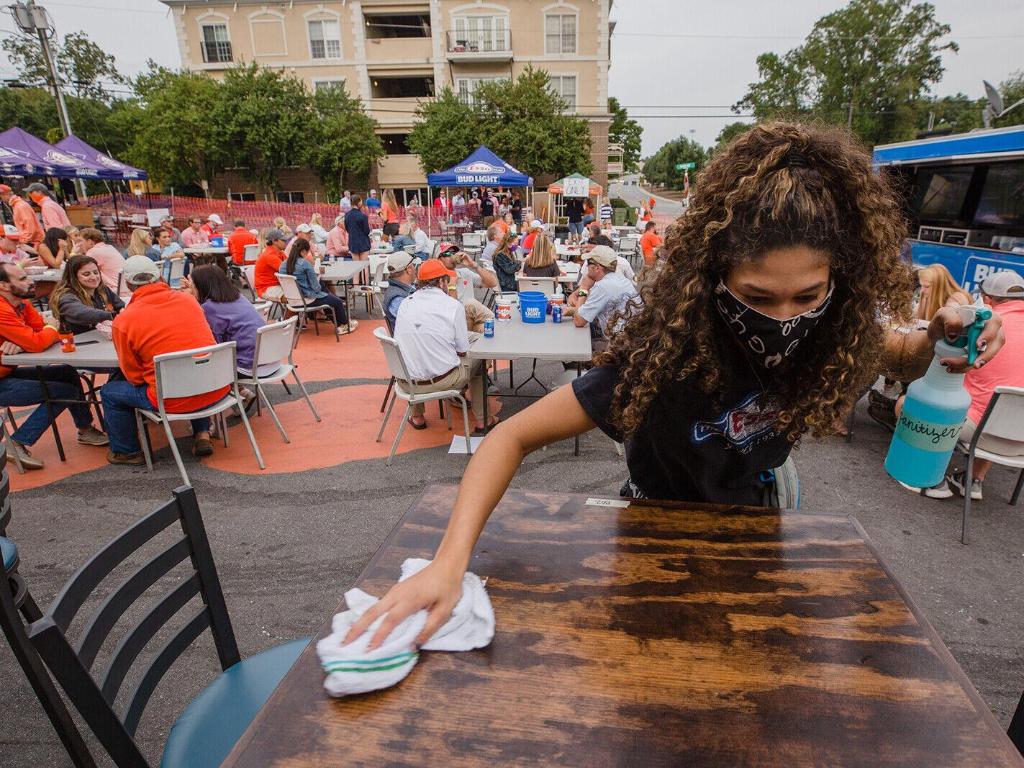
<point x="749" y="423"/>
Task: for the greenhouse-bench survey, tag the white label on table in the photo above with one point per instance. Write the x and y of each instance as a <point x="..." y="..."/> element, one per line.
<point x="620" y="503"/>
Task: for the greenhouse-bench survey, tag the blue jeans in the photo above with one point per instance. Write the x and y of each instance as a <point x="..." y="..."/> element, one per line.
<point x="21" y="387"/>
<point x="120" y="399"/>
<point x="575" y="227"/>
<point x="334" y="302"/>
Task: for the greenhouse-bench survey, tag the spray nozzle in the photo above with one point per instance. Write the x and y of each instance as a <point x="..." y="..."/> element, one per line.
<point x="974" y="318"/>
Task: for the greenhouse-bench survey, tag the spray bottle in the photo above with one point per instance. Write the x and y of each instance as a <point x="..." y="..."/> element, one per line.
<point x="934" y="410"/>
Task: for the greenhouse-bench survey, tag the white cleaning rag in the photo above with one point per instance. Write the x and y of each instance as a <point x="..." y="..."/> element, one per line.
<point x="352" y="669"/>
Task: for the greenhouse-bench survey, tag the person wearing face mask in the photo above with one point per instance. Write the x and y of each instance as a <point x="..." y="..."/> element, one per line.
<point x="51" y="211"/>
<point x="762" y="326"/>
<point x="81" y="301"/>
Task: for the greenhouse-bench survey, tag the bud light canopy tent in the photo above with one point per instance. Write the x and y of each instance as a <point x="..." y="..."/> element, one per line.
<point x="74" y="146"/>
<point x="22" y="154"/>
<point x="482" y="168"/>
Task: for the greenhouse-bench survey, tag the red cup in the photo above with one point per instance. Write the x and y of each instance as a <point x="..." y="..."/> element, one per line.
<point x="67" y="342"/>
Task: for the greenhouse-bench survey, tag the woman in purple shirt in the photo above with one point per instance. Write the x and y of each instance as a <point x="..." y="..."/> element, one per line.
<point x="231" y="316"/>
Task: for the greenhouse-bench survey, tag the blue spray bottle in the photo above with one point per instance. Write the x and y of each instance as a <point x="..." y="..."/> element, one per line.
<point x="934" y="411"/>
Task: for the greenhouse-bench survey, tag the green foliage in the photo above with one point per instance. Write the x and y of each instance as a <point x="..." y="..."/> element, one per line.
<point x="728" y="133"/>
<point x="1012" y="91"/>
<point x="958" y="113"/>
<point x="521" y="120"/>
<point x="628" y="133"/>
<point x="880" y="56"/>
<point x="31" y="109"/>
<point x="81" y="64"/>
<point x="345" y="145"/>
<point x="660" y="168"/>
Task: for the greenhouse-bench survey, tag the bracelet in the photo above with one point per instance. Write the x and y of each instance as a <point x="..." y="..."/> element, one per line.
<point x="583" y="292"/>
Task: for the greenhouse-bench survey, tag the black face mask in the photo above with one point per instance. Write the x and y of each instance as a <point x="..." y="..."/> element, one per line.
<point x="767" y="340"/>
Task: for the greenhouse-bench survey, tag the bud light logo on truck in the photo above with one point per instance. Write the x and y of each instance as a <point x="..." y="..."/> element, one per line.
<point x="978" y="268"/>
<point x="478" y="172"/>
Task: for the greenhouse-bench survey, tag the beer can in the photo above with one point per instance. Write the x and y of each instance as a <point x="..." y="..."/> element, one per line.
<point x="556" y="313"/>
<point x="489" y="327"/>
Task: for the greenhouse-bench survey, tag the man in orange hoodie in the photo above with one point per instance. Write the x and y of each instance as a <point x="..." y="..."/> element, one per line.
<point x="22" y="329"/>
<point x="156" y="321"/>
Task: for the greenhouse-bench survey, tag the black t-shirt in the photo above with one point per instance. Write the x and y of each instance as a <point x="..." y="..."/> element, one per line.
<point x="688" y="450"/>
<point x="574" y="209"/>
<point x="517" y="210"/>
<point x="486" y="207"/>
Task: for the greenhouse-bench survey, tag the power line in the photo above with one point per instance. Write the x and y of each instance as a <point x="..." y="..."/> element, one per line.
<point x="866" y="38"/>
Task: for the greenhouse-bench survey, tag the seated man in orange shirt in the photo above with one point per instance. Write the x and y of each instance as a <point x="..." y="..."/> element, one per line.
<point x="649" y="243"/>
<point x="237" y="241"/>
<point x="22" y="329"/>
<point x="267" y="266"/>
<point x="156" y="321"/>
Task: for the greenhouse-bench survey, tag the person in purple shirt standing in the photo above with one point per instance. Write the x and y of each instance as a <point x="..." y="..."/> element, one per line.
<point x="231" y="316"/>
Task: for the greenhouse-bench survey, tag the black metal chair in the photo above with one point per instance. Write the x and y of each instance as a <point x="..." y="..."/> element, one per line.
<point x="1016" y="729"/>
<point x="212" y="723"/>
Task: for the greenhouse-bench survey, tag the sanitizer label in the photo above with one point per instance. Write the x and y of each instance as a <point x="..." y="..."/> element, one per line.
<point x="927" y="435"/>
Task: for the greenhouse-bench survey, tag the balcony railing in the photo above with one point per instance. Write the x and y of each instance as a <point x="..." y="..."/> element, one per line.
<point x="480" y="44"/>
<point x="216" y="52"/>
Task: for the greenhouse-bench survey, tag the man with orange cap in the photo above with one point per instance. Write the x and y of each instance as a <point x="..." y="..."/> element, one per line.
<point x="24" y="217"/>
<point x="52" y="212"/>
<point x="431" y="330"/>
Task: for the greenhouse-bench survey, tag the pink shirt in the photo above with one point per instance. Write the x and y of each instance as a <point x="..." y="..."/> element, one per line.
<point x="1006" y="368"/>
<point x="53" y="214"/>
<point x="110" y="262"/>
<point x="191" y="238"/>
<point x="337" y="242"/>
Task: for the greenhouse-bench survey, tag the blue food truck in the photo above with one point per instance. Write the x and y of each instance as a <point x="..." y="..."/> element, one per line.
<point x="964" y="196"/>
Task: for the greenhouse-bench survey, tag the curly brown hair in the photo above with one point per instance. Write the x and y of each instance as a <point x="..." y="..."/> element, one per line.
<point x="780" y="184"/>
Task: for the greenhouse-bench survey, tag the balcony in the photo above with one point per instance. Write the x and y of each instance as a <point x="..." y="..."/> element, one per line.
<point x="480" y="47"/>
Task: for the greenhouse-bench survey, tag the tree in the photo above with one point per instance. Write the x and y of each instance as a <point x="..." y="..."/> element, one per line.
<point x="521" y="120"/>
<point x="344" y="146"/>
<point x="81" y="64"/>
<point x="870" y="64"/>
<point x="626" y="133"/>
<point x="173" y="135"/>
<point x="1012" y="91"/>
<point x="728" y="133"/>
<point x="958" y="113"/>
<point x="660" y="168"/>
<point x="262" y="122"/>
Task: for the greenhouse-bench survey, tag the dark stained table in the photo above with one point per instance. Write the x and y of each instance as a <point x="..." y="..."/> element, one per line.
<point x="658" y="635"/>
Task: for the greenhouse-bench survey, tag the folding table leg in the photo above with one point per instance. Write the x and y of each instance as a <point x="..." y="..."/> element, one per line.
<point x="49" y="409"/>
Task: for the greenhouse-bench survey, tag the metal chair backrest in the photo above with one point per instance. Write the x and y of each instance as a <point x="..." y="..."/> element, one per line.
<point x="290" y="287"/>
<point x="177" y="270"/>
<point x="194" y="371"/>
<point x="395" y="361"/>
<point x="378" y="269"/>
<point x="274" y="342"/>
<point x="250" y="253"/>
<point x="249" y="274"/>
<point x="628" y="244"/>
<point x="472" y="240"/>
<point x="1006" y="419"/>
<point x="94" y="693"/>
<point x="545" y="285"/>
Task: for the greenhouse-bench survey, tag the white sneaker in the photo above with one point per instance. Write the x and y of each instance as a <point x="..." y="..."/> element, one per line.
<point x="940" y="491"/>
<point x="956" y="479"/>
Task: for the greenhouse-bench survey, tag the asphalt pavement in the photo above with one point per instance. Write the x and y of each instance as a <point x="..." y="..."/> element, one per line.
<point x="290" y="541"/>
<point x="632" y="193"/>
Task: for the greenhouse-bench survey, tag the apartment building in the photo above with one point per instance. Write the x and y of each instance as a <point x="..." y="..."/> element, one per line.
<point x="393" y="54"/>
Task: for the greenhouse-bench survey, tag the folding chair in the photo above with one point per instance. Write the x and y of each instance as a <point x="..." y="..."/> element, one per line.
<point x="274" y="344"/>
<point x="629" y="249"/>
<point x="249" y="276"/>
<point x="296" y="303"/>
<point x="189" y="373"/>
<point x="211" y="724"/>
<point x="1004" y="418"/>
<point x="174" y="269"/>
<point x="378" y="282"/>
<point x="406" y="389"/>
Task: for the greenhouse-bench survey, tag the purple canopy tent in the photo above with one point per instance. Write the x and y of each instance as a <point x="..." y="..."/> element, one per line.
<point x="74" y="146"/>
<point x="22" y="154"/>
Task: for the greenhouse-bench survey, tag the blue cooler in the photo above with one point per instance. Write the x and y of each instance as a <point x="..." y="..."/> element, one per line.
<point x="533" y="306"/>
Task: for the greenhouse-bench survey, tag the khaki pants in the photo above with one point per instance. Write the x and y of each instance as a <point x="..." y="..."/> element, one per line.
<point x="476" y="313"/>
<point x="469" y="373"/>
<point x="273" y="293"/>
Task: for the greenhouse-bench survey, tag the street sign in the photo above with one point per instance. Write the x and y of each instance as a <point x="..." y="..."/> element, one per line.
<point x="685" y="166"/>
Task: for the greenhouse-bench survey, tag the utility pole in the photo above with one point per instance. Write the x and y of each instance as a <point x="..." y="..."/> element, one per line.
<point x="33" y="18"/>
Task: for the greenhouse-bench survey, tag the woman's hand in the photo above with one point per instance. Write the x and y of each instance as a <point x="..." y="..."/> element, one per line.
<point x="436" y="589"/>
<point x="188" y="287"/>
<point x="948" y="324"/>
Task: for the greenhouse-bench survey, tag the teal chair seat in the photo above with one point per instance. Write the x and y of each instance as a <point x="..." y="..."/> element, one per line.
<point x="9" y="553"/>
<point x="216" y="719"/>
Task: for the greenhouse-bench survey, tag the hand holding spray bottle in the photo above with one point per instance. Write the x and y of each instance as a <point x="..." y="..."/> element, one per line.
<point x="934" y="410"/>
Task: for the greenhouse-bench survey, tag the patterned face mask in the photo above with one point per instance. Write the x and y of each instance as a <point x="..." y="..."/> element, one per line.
<point x="767" y="340"/>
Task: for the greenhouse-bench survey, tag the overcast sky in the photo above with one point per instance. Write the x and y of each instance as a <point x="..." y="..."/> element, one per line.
<point x="687" y="60"/>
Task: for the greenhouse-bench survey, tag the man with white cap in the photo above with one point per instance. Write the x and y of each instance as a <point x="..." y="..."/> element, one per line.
<point x="1004" y="293"/>
<point x="603" y="292"/>
<point x="213" y="226"/>
<point x="158" y="320"/>
<point x="401" y="283"/>
<point x="51" y="211"/>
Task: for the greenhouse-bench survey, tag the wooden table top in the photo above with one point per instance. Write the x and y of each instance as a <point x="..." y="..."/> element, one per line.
<point x="658" y="635"/>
